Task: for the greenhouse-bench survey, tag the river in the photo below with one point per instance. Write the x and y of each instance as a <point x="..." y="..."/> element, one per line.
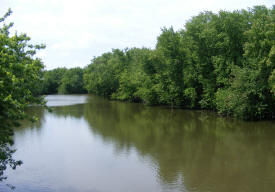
<point x="90" y="144"/>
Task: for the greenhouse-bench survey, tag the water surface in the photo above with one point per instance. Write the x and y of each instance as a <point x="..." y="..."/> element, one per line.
<point x="90" y="144"/>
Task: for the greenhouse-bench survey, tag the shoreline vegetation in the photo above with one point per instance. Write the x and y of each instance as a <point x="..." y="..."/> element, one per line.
<point x="20" y="78"/>
<point x="223" y="62"/>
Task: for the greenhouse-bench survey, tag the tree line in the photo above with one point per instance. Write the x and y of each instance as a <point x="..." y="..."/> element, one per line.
<point x="63" y="81"/>
<point x="220" y="61"/>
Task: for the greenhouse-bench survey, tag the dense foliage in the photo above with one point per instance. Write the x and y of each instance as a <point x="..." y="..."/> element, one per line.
<point x="224" y="62"/>
<point x="20" y="76"/>
<point x="63" y="81"/>
<point x="52" y="80"/>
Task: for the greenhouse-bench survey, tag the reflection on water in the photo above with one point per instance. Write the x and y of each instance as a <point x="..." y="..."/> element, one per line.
<point x="106" y="145"/>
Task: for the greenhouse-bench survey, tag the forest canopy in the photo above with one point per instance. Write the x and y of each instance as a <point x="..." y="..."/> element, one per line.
<point x="220" y="61"/>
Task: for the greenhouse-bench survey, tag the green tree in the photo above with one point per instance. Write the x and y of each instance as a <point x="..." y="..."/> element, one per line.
<point x="222" y="61"/>
<point x="52" y="80"/>
<point x="132" y="78"/>
<point x="169" y="61"/>
<point x="20" y="78"/>
<point x="72" y="81"/>
<point x="102" y="75"/>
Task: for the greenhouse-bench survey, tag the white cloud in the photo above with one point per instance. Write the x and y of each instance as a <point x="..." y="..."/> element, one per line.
<point x="80" y="42"/>
<point x="76" y="31"/>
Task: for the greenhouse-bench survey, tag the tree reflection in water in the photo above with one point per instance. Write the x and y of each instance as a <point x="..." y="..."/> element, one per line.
<point x="188" y="150"/>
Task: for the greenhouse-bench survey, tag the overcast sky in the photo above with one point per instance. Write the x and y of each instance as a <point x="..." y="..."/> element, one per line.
<point x="75" y="31"/>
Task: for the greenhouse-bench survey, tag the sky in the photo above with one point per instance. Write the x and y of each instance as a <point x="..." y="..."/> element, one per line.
<point x="76" y="31"/>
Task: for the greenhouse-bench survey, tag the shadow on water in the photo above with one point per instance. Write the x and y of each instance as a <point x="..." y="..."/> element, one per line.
<point x="189" y="150"/>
